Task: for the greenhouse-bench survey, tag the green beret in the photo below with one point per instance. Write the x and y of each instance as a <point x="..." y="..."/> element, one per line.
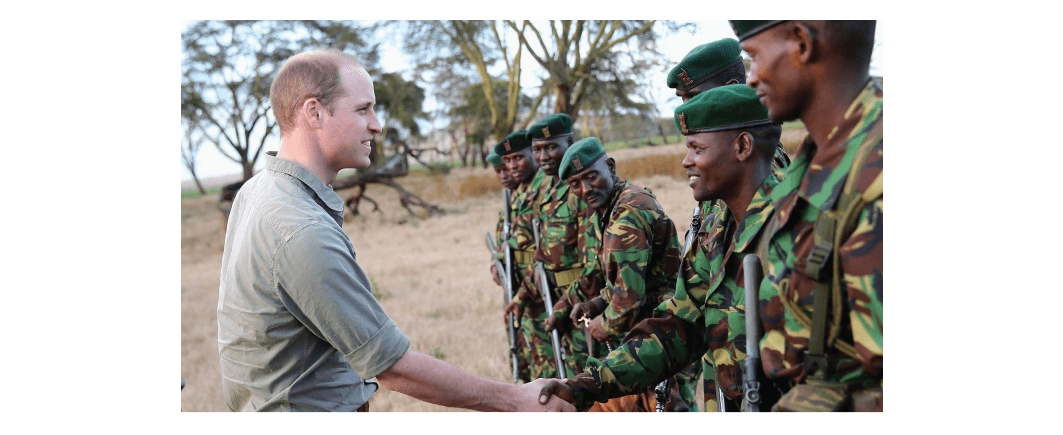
<point x="581" y="155"/>
<point x="516" y="141"/>
<point x="494" y="159"/>
<point x="557" y="124"/>
<point x="722" y="108"/>
<point x="745" y="29"/>
<point x="703" y="63"/>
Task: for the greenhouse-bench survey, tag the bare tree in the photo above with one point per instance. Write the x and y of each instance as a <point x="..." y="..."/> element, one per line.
<point x="580" y="49"/>
<point x="191" y="143"/>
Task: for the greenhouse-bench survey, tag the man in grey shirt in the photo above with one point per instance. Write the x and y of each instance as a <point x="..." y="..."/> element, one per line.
<point x="298" y="326"/>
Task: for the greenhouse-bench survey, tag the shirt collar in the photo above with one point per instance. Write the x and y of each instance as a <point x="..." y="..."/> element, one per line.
<point x="756" y="214"/>
<point x="322" y="190"/>
<point x="829" y="163"/>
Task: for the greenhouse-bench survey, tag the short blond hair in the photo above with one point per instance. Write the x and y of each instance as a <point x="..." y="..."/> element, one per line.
<point x="311" y="74"/>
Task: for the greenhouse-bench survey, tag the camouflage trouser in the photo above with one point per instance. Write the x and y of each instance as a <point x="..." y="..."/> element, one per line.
<point x="533" y="326"/>
<point x="576" y="350"/>
<point x="523" y="356"/>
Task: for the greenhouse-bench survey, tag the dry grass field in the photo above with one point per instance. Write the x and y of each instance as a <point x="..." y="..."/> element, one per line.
<point x="431" y="274"/>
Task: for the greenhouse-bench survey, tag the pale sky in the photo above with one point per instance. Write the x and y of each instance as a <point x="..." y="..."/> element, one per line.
<point x="210" y="162"/>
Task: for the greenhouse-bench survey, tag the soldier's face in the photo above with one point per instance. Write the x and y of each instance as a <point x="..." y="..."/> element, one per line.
<point x="594" y="185"/>
<point x="777" y="72"/>
<point x="548" y="154"/>
<point x="520" y="165"/>
<point x="504" y="177"/>
<point x="711" y="164"/>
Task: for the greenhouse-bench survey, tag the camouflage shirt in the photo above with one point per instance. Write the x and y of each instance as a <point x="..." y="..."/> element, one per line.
<point x="525" y="208"/>
<point x="705" y="318"/>
<point x="639" y="257"/>
<point x="813" y="183"/>
<point x="561" y="215"/>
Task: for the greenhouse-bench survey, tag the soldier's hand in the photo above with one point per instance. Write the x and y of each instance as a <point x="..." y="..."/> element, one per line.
<point x="583" y="309"/>
<point x="559" y="389"/>
<point x="516" y="311"/>
<point x="494" y="275"/>
<point x="597" y="330"/>
<point x="561" y="323"/>
<point x="532" y="400"/>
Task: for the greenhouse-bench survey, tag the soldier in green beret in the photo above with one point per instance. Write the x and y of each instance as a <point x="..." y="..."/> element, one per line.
<point x="508" y="183"/>
<point x="559" y="214"/>
<point x="730" y="146"/>
<point x="707" y="66"/>
<point x="639" y="254"/>
<point x="515" y="151"/>
<point x="821" y="297"/>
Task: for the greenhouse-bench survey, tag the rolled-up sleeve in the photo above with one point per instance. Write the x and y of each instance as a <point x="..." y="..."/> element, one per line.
<point x="326" y="290"/>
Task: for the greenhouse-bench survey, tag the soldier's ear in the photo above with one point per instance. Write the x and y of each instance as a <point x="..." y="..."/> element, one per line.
<point x="743" y="146"/>
<point x="612" y="165"/>
<point x="805" y="39"/>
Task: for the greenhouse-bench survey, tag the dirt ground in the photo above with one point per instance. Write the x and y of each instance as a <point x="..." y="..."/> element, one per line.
<point x="432" y="274"/>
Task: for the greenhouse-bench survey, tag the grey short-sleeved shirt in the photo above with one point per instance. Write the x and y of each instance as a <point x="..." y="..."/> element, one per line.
<point x="298" y="326"/>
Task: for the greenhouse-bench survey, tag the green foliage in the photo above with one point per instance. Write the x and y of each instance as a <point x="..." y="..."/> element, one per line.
<point x="437" y="352"/>
<point x="401" y="100"/>
<point x="193" y="193"/>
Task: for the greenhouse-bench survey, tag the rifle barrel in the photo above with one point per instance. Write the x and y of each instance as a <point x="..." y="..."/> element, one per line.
<point x="753" y="276"/>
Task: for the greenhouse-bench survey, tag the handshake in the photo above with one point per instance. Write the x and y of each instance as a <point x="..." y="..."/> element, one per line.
<point x="554" y="395"/>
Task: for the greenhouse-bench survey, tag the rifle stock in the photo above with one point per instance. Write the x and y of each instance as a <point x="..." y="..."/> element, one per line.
<point x="753" y="275"/>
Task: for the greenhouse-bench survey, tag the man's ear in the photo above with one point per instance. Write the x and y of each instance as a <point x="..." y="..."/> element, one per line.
<point x="805" y="37"/>
<point x="743" y="146"/>
<point x="313" y="111"/>
<point x="612" y="165"/>
<point x="731" y="82"/>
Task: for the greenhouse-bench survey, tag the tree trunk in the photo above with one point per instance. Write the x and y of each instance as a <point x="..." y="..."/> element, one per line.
<point x="660" y="128"/>
<point x="199" y="185"/>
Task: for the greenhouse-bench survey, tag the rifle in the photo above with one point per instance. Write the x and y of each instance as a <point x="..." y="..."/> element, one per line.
<point x="545" y="289"/>
<point x="753" y="275"/>
<point x="661" y="391"/>
<point x="511" y="331"/>
<point x="506" y="270"/>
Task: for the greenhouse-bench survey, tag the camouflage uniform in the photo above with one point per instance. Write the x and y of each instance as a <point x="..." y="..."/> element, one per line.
<point x="705" y="318"/>
<point x="814" y="185"/>
<point x="563" y="216"/>
<point x="639" y="258"/>
<point x="522" y="241"/>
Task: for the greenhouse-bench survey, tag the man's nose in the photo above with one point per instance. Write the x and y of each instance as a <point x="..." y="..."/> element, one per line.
<point x="374" y="124"/>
